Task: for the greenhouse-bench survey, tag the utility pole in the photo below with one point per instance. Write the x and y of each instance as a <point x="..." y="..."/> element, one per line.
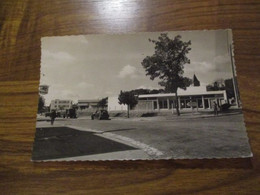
<point x="230" y="51"/>
<point x="234" y="78"/>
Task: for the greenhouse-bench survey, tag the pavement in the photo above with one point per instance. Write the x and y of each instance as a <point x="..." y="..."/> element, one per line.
<point x="164" y="115"/>
<point x="163" y="137"/>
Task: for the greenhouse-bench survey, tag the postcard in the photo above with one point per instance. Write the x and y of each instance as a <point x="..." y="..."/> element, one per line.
<point x="139" y="96"/>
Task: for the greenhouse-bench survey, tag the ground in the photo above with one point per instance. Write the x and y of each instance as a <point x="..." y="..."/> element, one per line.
<point x="222" y="136"/>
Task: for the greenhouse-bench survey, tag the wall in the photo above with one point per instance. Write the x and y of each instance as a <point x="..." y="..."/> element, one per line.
<point x="113" y="105"/>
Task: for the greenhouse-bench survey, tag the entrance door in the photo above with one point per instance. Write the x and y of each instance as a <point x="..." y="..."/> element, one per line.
<point x="206" y="103"/>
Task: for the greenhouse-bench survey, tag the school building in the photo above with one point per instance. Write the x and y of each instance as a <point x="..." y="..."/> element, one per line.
<point x="90" y="104"/>
<point x="195" y="96"/>
<point x="58" y="104"/>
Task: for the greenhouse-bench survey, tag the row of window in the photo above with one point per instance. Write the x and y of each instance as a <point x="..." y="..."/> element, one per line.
<point x="188" y="97"/>
<point x="186" y="103"/>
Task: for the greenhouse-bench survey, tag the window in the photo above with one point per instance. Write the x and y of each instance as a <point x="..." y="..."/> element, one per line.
<point x="154" y="105"/>
<point x="163" y="104"/>
<point x="206" y="102"/>
<point x="200" y="103"/>
<point x="172" y="104"/>
<point x="182" y="104"/>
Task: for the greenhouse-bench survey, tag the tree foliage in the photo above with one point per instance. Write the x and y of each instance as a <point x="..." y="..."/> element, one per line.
<point x="167" y="63"/>
<point x="142" y="91"/>
<point x="222" y="84"/>
<point x="102" y="103"/>
<point x="127" y="98"/>
<point x="41" y="103"/>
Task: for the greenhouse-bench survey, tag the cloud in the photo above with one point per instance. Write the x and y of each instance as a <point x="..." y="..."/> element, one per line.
<point x="128" y="71"/>
<point x="109" y="93"/>
<point x="222" y="63"/>
<point x="84" y="85"/>
<point x="219" y="63"/>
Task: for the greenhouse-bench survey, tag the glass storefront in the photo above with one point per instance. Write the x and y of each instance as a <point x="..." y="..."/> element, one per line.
<point x="198" y="101"/>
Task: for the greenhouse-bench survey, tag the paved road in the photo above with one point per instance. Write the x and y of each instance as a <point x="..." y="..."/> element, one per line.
<point x="214" y="137"/>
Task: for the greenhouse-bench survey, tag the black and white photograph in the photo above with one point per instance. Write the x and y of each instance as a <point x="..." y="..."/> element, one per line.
<point x="139" y="96"/>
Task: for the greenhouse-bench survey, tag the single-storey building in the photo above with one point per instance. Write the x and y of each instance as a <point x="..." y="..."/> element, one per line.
<point x="195" y="96"/>
<point x="88" y="104"/>
<point x="58" y="104"/>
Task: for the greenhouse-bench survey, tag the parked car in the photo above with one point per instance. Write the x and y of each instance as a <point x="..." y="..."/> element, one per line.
<point x="100" y="114"/>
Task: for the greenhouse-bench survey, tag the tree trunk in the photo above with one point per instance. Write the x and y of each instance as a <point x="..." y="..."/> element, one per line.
<point x="128" y="111"/>
<point x="177" y="104"/>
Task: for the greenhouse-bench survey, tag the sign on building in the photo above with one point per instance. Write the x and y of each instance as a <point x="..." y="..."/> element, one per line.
<point x="43" y="89"/>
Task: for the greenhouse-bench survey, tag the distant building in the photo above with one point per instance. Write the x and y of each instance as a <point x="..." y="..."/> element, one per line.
<point x="58" y="104"/>
<point x="88" y="104"/>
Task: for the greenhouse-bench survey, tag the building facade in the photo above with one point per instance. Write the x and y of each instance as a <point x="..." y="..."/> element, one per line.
<point x="88" y="104"/>
<point x="58" y="104"/>
<point x="195" y="96"/>
<point x="192" y="97"/>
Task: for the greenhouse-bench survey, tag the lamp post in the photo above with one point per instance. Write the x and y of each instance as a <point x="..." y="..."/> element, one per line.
<point x="234" y="78"/>
<point x="230" y="50"/>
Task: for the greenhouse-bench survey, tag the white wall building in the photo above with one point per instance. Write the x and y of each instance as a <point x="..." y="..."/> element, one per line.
<point x="88" y="104"/>
<point x="58" y="104"/>
<point x="113" y="105"/>
<point x="197" y="96"/>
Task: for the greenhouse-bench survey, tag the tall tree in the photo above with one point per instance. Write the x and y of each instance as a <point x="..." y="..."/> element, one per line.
<point x="230" y="88"/>
<point x="41" y="103"/>
<point x="167" y="64"/>
<point x="127" y="98"/>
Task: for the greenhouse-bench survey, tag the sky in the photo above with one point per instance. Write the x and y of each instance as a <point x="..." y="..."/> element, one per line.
<point x="98" y="66"/>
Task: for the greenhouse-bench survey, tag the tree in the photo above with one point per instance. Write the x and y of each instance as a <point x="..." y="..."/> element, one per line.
<point x="102" y="103"/>
<point x="127" y="98"/>
<point x="217" y="85"/>
<point x="229" y="88"/>
<point x="167" y="64"/>
<point x="41" y="103"/>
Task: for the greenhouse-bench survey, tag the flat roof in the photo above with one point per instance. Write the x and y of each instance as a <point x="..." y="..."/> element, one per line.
<point x="182" y="93"/>
<point x="61" y="100"/>
<point x="88" y="101"/>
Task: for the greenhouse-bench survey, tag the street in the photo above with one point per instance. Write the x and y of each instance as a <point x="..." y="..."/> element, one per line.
<point x="161" y="138"/>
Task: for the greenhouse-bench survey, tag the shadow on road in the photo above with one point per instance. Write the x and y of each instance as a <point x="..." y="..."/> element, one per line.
<point x="62" y="142"/>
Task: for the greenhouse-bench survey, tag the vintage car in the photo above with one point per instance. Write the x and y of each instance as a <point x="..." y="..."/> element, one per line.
<point x="69" y="113"/>
<point x="100" y="114"/>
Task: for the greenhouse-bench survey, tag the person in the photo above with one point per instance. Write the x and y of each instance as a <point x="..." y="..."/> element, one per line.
<point x="215" y="106"/>
<point x="53" y="116"/>
<point x="67" y="113"/>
